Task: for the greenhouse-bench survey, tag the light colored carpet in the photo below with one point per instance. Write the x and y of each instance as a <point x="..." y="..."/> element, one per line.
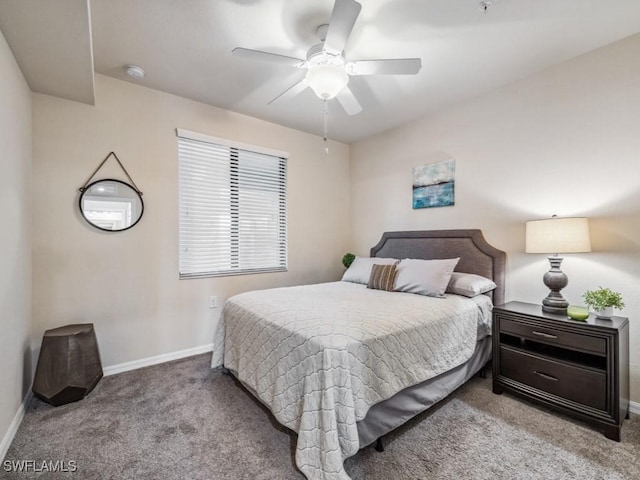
<point x="184" y="421"/>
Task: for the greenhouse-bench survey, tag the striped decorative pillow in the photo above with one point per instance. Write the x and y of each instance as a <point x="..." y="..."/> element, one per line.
<point x="382" y="277"/>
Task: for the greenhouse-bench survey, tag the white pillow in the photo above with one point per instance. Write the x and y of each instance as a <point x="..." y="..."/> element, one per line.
<point x="469" y="284"/>
<point x="360" y="270"/>
<point x="424" y="277"/>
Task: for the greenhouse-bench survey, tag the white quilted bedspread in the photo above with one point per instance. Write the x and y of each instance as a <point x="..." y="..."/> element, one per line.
<point x="320" y="355"/>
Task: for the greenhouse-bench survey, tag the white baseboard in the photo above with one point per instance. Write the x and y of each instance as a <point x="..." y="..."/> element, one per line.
<point x="634" y="407"/>
<point x="15" y="424"/>
<point x="165" y="357"/>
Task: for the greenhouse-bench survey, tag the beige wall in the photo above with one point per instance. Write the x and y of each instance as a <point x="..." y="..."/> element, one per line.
<point x="15" y="237"/>
<point x="564" y="141"/>
<point x="127" y="283"/>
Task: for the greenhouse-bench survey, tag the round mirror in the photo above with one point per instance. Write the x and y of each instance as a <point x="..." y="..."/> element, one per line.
<point x="111" y="205"/>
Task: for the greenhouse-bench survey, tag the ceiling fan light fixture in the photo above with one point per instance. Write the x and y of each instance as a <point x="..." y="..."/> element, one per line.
<point x="326" y="80"/>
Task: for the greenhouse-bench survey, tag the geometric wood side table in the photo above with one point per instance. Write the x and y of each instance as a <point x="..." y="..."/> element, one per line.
<point x="69" y="364"/>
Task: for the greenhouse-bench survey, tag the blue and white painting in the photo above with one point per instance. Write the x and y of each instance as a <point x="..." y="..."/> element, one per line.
<point x="434" y="184"/>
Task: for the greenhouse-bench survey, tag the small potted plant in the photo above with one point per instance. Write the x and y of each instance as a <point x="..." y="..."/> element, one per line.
<point x="603" y="301"/>
<point x="348" y="259"/>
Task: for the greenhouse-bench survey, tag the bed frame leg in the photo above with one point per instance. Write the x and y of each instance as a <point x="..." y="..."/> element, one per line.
<point x="482" y="373"/>
<point x="379" y="445"/>
<point x="224" y="370"/>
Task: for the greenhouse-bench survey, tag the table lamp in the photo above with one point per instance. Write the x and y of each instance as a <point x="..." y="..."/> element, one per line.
<point x="557" y="235"/>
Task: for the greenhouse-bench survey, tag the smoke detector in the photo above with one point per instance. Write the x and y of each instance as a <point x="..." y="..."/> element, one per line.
<point x="134" y="71"/>
<point x="485" y="6"/>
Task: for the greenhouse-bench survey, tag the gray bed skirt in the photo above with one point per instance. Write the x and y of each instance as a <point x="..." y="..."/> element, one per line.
<point x="389" y="414"/>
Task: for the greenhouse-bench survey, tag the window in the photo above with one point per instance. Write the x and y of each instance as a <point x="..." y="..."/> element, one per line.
<point x="232" y="207"/>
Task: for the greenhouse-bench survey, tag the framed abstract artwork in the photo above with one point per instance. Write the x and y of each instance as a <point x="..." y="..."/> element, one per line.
<point x="434" y="184"/>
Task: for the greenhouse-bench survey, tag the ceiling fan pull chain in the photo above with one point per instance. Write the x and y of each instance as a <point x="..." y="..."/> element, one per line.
<point x="325" y="111"/>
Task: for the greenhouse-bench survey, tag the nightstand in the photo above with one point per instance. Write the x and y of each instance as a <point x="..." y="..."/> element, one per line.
<point x="578" y="367"/>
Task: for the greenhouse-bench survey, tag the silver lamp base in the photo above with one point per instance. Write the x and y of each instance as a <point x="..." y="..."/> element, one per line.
<point x="555" y="279"/>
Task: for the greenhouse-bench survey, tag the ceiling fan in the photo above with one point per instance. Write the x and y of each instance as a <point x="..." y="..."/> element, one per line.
<point x="328" y="70"/>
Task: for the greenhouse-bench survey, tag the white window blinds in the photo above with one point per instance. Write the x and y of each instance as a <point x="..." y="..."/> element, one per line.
<point x="232" y="207"/>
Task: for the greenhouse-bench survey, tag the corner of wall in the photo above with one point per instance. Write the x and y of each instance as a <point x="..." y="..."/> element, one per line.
<point x="15" y="245"/>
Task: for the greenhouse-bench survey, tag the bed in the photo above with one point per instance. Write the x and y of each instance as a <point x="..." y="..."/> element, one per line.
<point x="342" y="365"/>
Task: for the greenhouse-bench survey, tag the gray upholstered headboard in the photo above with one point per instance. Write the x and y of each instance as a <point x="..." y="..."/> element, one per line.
<point x="476" y="255"/>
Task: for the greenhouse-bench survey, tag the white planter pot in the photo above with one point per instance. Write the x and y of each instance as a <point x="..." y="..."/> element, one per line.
<point x="606" y="312"/>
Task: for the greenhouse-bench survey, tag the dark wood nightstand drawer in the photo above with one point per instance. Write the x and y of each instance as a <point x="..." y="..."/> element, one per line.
<point x="579" y="368"/>
<point x="555" y="337"/>
<point x="581" y="385"/>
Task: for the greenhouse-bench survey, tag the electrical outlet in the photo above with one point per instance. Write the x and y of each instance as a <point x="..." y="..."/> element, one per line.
<point x="213" y="302"/>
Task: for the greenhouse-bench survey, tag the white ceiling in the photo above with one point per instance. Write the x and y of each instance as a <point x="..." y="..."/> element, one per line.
<point x="185" y="47"/>
<point x="52" y="44"/>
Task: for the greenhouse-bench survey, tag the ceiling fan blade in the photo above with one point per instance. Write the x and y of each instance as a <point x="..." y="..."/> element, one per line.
<point x="291" y="91"/>
<point x="267" y="57"/>
<point x="349" y="102"/>
<point x="397" y="66"/>
<point x="343" y="18"/>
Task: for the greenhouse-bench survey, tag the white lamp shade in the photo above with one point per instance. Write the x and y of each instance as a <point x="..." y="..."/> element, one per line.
<point x="558" y="235"/>
<point x="326" y="80"/>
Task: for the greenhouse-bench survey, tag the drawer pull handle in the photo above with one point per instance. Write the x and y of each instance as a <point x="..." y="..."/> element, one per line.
<point x="545" y="376"/>
<point x="545" y="335"/>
